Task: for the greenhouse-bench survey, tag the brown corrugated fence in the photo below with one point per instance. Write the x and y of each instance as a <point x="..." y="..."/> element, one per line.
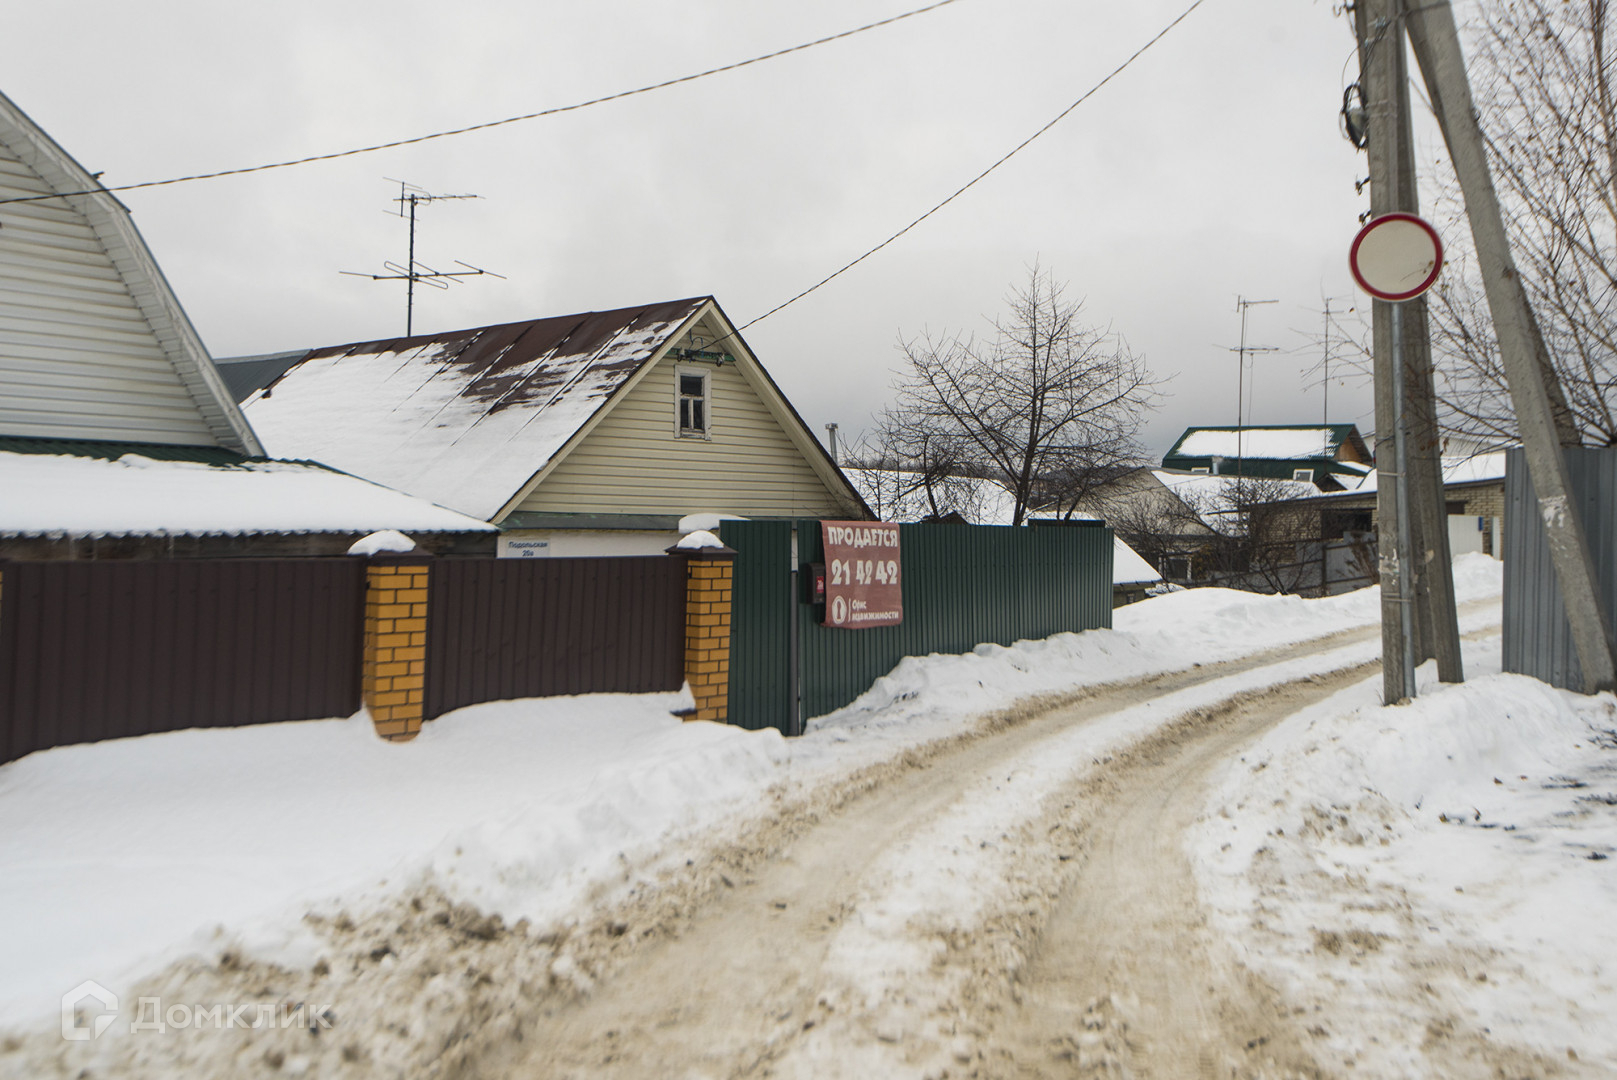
<point x="105" y="650"/>
<point x="512" y="628"/>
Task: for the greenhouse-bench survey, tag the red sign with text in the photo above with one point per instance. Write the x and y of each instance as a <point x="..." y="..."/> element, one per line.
<point x="862" y="574"/>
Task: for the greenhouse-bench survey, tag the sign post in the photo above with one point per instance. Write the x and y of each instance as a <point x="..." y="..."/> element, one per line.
<point x="863" y="574"/>
<point x="1397" y="257"/>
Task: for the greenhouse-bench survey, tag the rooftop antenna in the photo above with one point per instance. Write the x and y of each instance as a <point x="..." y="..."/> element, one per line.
<point x="412" y="271"/>
<point x="1241" y="305"/>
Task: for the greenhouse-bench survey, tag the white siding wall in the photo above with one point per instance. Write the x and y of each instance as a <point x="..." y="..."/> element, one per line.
<point x="77" y="357"/>
<point x="634" y="463"/>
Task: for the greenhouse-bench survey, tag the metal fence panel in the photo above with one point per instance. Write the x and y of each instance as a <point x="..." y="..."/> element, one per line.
<point x="514" y="628"/>
<point x="1538" y="638"/>
<point x="963" y="585"/>
<point x="106" y="650"/>
<point x="760" y="624"/>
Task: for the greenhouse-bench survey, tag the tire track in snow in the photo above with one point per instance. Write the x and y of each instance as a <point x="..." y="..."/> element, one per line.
<point x="900" y="903"/>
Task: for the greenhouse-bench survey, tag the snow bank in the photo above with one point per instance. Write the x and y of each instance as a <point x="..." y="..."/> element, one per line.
<point x="1467" y="836"/>
<point x="117" y="856"/>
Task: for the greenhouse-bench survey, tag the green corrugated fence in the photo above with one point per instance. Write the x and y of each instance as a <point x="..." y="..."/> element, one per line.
<point x="963" y="585"/>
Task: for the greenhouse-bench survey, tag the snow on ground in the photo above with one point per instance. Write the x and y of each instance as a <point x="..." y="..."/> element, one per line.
<point x="118" y="857"/>
<point x="1439" y="862"/>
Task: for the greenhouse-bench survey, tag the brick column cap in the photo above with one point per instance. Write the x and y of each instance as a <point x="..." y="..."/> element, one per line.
<point x="702" y="553"/>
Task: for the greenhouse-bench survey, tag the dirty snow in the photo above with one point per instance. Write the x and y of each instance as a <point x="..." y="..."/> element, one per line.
<point x="1449" y="860"/>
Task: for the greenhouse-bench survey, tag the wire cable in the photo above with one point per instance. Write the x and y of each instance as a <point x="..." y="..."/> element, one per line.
<point x="492" y="123"/>
<point x="982" y="175"/>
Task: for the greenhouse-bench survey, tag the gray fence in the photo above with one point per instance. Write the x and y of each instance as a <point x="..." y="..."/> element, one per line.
<point x="1538" y="638"/>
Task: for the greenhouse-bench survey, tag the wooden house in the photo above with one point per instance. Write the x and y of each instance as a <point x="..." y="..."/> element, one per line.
<point x="593" y="433"/>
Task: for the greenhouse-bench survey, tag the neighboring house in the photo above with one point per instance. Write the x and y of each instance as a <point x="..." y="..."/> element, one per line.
<point x="1330" y="456"/>
<point x="592" y="433"/>
<point x="118" y="439"/>
<point x="897" y="495"/>
<point x="900" y="495"/>
<point x="1189" y="525"/>
<point x="1473" y="489"/>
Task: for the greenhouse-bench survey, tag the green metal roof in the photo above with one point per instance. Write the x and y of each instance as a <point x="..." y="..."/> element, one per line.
<point x="1340" y="433"/>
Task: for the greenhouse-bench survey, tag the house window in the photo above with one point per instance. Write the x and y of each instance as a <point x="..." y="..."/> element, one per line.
<point x="1200" y="469"/>
<point x="692" y="402"/>
<point x="1305" y="475"/>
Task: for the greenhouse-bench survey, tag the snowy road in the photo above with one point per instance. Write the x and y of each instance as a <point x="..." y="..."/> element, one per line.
<point x="1017" y="904"/>
<point x="1134" y="878"/>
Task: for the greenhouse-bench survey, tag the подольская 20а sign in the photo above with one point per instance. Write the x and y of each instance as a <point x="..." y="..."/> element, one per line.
<point x="863" y="574"/>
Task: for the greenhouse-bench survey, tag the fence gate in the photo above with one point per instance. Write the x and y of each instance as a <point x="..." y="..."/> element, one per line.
<point x="106" y="650"/>
<point x="514" y="628"/>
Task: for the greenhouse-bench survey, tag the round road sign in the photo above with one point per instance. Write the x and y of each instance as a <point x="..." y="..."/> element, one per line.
<point x="1396" y="257"/>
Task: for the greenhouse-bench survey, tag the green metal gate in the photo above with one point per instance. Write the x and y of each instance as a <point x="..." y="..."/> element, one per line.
<point x="963" y="585"/>
<point x="761" y="624"/>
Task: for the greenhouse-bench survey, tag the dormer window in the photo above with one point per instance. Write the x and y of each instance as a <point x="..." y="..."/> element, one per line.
<point x="1305" y="475"/>
<point x="692" y="391"/>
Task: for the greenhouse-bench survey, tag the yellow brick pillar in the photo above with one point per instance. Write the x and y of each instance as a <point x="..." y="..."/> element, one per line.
<point x="707" y="629"/>
<point x="395" y="665"/>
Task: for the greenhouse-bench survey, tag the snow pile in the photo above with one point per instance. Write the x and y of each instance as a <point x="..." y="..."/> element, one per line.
<point x="62" y="495"/>
<point x="118" y="856"/>
<point x="378" y="542"/>
<point x="1467" y="836"/>
<point x="699" y="540"/>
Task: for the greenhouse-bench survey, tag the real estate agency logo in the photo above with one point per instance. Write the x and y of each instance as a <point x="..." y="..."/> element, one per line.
<point x="88" y="1010"/>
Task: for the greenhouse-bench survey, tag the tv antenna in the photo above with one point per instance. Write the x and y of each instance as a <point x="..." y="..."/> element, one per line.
<point x="1241" y="305"/>
<point x="412" y="271"/>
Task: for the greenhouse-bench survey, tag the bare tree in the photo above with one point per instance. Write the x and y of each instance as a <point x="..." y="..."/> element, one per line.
<point x="1044" y="407"/>
<point x="1542" y="76"/>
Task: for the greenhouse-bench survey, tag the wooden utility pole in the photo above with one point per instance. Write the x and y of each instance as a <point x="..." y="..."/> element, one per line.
<point x="1534" y="389"/>
<point x="1380" y="72"/>
<point x="1437" y="623"/>
<point x="1413" y="500"/>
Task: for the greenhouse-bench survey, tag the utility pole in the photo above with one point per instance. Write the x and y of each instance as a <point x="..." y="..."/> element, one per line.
<point x="1384" y="66"/>
<point x="412" y="271"/>
<point x="1241" y="305"/>
<point x="1534" y="389"/>
<point x="1380" y="39"/>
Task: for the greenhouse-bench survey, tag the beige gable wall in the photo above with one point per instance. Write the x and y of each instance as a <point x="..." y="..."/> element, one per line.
<point x="634" y="463"/>
<point x="77" y="357"/>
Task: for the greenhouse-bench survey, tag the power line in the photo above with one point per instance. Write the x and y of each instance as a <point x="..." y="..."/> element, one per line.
<point x="492" y="123"/>
<point x="980" y="176"/>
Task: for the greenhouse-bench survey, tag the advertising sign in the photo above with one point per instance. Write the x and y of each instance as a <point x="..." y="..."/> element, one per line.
<point x="863" y="584"/>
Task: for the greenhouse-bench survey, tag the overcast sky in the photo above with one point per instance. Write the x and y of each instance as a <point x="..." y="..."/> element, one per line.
<point x="1212" y="168"/>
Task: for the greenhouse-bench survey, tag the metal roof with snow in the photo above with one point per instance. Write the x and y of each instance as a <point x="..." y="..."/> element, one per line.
<point x="470" y="418"/>
<point x="57" y="488"/>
